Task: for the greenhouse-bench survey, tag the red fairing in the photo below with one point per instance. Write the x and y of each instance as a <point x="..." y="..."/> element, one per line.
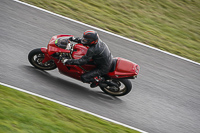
<point x="44" y="50"/>
<point x="52" y="48"/>
<point x="79" y="51"/>
<point x="124" y="69"/>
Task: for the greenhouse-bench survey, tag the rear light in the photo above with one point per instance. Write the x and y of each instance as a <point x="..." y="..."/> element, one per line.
<point x="135" y="76"/>
<point x="137" y="68"/>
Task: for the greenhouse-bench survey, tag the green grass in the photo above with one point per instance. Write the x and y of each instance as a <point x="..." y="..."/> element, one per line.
<point x="24" y="113"/>
<point x="170" y="25"/>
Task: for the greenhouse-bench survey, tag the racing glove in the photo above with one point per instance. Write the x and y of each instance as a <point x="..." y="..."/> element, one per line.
<point x="67" y="61"/>
<point x="73" y="39"/>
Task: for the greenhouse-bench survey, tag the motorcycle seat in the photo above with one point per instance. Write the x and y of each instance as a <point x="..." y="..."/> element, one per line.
<point x="113" y="66"/>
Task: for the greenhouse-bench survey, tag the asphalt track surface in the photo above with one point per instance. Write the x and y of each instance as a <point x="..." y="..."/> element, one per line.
<point x="165" y="96"/>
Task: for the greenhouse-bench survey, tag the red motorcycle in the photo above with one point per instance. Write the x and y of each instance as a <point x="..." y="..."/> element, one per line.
<point x="117" y="81"/>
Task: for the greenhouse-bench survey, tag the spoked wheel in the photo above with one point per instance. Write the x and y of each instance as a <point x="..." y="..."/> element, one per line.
<point x="124" y="87"/>
<point x="36" y="57"/>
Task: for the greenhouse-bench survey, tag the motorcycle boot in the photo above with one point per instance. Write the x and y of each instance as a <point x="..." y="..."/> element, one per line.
<point x="99" y="81"/>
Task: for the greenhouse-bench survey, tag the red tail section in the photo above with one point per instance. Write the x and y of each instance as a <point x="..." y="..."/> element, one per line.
<point x="125" y="69"/>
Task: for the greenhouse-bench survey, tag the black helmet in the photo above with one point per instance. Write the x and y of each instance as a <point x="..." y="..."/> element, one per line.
<point x="90" y="37"/>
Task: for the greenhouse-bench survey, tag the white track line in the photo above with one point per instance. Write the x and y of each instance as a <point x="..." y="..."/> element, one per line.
<point x="61" y="103"/>
<point x="67" y="105"/>
<point x="73" y="107"/>
<point x="139" y="43"/>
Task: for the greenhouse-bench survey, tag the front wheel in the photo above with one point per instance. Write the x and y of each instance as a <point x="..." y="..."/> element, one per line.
<point x="36" y="57"/>
<point x="124" y="87"/>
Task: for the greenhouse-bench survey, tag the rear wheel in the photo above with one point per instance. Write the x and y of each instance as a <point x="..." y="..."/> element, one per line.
<point x="124" y="87"/>
<point x="36" y="57"/>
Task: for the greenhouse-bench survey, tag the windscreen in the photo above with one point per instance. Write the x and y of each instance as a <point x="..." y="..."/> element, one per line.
<point x="62" y="42"/>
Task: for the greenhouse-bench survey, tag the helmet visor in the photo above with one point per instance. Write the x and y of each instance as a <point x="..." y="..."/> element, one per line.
<point x="86" y="41"/>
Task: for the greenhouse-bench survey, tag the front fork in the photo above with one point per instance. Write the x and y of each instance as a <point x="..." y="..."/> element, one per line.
<point x="46" y="55"/>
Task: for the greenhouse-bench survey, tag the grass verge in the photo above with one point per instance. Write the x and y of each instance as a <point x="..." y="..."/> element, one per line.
<point x="24" y="113"/>
<point x="170" y="25"/>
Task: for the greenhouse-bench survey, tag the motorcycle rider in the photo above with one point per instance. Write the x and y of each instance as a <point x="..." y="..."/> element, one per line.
<point x="99" y="52"/>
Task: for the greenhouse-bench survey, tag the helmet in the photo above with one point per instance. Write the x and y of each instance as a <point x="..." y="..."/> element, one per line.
<point x="90" y="37"/>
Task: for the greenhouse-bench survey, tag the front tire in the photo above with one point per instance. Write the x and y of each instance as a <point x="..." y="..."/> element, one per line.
<point x="124" y="87"/>
<point x="36" y="57"/>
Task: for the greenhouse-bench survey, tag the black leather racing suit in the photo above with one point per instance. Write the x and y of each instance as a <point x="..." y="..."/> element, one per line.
<point x="102" y="58"/>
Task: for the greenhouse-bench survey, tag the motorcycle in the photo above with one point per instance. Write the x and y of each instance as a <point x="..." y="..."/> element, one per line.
<point x="116" y="82"/>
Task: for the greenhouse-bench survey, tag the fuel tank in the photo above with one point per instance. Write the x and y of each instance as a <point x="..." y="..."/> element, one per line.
<point x="79" y="51"/>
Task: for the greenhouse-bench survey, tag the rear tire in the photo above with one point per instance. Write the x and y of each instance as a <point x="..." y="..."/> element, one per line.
<point x="124" y="88"/>
<point x="36" y="57"/>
